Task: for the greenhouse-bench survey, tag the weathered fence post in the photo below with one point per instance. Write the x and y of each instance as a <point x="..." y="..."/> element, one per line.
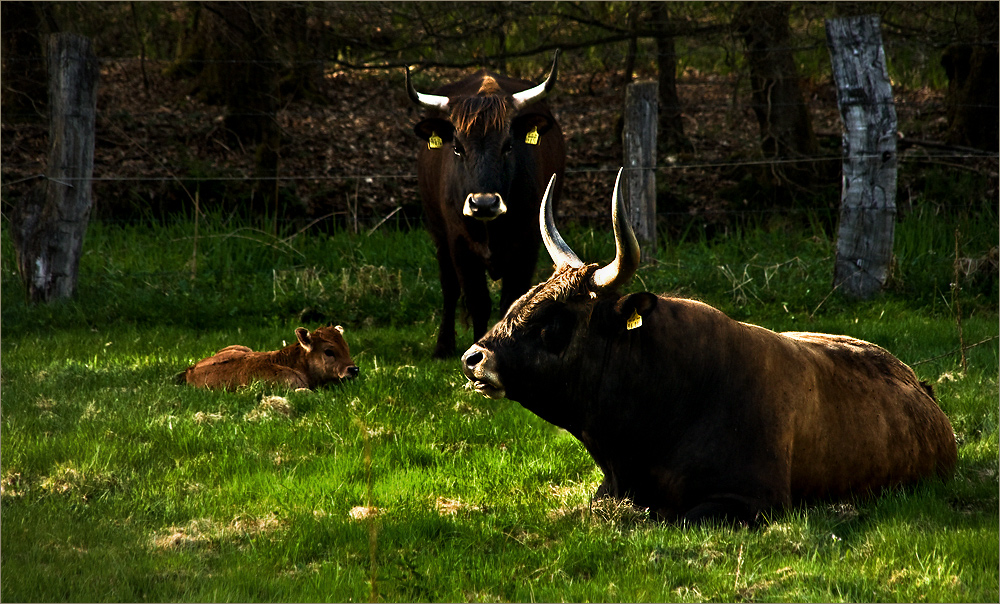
<point x="868" y="194"/>
<point x="639" y="146"/>
<point x="50" y="223"/>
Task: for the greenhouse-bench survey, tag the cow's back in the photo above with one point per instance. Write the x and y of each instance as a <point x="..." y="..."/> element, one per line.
<point x="867" y="421"/>
<point x="237" y="366"/>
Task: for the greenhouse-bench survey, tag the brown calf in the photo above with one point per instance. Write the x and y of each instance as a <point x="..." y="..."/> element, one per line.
<point x="315" y="359"/>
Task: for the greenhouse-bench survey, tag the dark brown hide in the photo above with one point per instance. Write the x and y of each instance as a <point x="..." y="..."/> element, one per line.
<point x="481" y="190"/>
<point x="314" y="359"/>
<point x="695" y="415"/>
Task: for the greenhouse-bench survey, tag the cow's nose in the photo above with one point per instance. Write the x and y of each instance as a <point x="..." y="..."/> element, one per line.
<point x="484" y="206"/>
<point x="471" y="360"/>
<point x="479" y="366"/>
<point x="353" y="371"/>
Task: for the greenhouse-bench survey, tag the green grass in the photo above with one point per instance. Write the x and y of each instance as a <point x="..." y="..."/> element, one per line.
<point x="119" y="485"/>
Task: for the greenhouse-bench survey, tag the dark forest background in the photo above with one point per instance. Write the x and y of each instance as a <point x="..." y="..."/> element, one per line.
<point x="296" y="113"/>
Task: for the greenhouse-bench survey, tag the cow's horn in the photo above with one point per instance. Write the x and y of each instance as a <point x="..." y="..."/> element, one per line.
<point x="531" y="95"/>
<point x="557" y="247"/>
<point x="626" y="260"/>
<point x="430" y="101"/>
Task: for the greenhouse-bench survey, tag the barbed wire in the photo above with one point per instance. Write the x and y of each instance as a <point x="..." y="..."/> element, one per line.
<point x="372" y="176"/>
<point x="664" y="167"/>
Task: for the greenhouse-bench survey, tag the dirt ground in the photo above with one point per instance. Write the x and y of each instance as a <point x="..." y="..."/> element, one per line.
<point x="353" y="154"/>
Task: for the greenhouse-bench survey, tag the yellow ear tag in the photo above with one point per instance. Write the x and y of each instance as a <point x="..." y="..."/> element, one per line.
<point x="434" y="142"/>
<point x="532" y="137"/>
<point x="634" y="321"/>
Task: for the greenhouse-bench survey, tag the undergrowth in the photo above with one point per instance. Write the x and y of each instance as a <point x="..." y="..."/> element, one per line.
<point x="404" y="485"/>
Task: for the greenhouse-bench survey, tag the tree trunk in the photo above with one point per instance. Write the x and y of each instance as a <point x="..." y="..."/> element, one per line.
<point x="639" y="145"/>
<point x="24" y="86"/>
<point x="868" y="195"/>
<point x="631" y="18"/>
<point x="49" y="225"/>
<point x="671" y="135"/>
<point x="972" y="70"/>
<point x="785" y="128"/>
<point x="240" y="69"/>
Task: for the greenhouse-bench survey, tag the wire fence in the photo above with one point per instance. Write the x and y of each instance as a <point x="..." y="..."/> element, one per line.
<point x="161" y="144"/>
<point x="153" y="142"/>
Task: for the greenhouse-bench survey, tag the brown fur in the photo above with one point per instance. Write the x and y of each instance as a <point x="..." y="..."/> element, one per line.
<point x="695" y="415"/>
<point x="481" y="118"/>
<point x="477" y="114"/>
<point x="314" y="359"/>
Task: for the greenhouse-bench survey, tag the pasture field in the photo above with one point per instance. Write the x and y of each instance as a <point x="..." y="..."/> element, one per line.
<point x="118" y="485"/>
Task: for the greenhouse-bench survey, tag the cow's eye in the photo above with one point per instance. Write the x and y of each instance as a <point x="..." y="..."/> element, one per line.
<point x="459" y="151"/>
<point x="558" y="331"/>
<point x="328" y="352"/>
<point x="507" y="146"/>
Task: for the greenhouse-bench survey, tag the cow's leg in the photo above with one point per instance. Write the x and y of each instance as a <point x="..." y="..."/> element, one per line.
<point x="727" y="509"/>
<point x="292" y="378"/>
<point x="477" y="300"/>
<point x="450" y="291"/>
<point x="519" y="279"/>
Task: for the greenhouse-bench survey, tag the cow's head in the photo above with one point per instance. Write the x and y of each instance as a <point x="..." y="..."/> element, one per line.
<point x="483" y="130"/>
<point x="328" y="358"/>
<point x="542" y="337"/>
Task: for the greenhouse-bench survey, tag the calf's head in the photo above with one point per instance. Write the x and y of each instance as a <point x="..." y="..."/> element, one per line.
<point x="326" y="354"/>
<point x="482" y="135"/>
<point x="551" y="329"/>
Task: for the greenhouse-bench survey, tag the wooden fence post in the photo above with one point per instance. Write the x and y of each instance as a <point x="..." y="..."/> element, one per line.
<point x="868" y="193"/>
<point x="639" y="146"/>
<point x="49" y="224"/>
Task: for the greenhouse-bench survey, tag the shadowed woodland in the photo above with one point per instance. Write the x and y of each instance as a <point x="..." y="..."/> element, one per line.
<point x="295" y="112"/>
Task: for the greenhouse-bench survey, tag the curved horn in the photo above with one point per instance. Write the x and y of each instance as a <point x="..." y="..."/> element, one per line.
<point x="430" y="101"/>
<point x="626" y="260"/>
<point x="531" y="95"/>
<point x="557" y="247"/>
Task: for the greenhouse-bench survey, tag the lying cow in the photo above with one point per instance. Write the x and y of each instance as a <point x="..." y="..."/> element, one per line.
<point x="695" y="415"/>
<point x="315" y="359"/>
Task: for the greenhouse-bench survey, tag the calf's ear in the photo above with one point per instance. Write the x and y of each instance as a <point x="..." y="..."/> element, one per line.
<point x="435" y="126"/>
<point x="305" y="340"/>
<point x="633" y="307"/>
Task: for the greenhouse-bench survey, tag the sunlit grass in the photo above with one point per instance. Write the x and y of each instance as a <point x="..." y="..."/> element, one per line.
<point x="120" y="485"/>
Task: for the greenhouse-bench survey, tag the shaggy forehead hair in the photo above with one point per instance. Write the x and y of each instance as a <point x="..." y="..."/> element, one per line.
<point x="565" y="282"/>
<point x="489" y="109"/>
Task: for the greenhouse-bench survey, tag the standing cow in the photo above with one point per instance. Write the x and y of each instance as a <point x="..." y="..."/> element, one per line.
<point x="697" y="416"/>
<point x="490" y="143"/>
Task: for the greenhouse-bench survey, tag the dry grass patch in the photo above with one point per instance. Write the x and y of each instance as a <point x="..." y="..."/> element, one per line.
<point x="205" y="418"/>
<point x="361" y="512"/>
<point x="451" y="507"/>
<point x="206" y="533"/>
<point x="11" y="485"/>
<point x="270" y="407"/>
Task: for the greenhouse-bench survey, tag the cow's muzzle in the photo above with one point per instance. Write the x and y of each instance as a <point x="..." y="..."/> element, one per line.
<point x="480" y="368"/>
<point x="484" y="206"/>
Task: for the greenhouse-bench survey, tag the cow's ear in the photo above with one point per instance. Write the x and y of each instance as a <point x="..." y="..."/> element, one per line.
<point x="435" y="126"/>
<point x="305" y="340"/>
<point x="524" y="124"/>
<point x="633" y="307"/>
